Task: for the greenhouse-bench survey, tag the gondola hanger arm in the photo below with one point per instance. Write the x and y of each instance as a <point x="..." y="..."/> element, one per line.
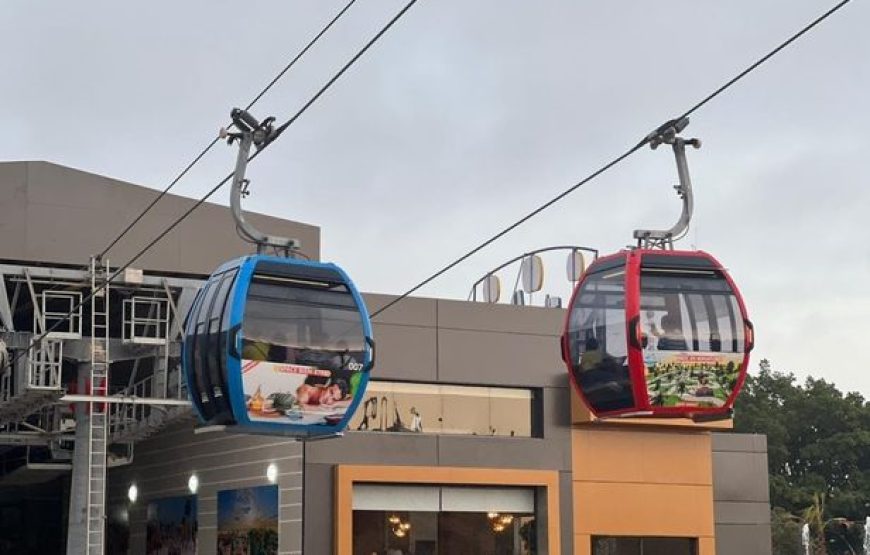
<point x="668" y="133"/>
<point x="258" y="134"/>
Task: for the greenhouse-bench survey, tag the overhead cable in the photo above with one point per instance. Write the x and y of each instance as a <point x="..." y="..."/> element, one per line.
<point x="214" y="141"/>
<point x="214" y="189"/>
<point x="616" y="160"/>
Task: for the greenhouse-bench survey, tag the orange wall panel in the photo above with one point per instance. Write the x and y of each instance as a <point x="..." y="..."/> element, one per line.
<point x="641" y="456"/>
<point x="614" y="509"/>
<point x="642" y="481"/>
<point x="582" y="544"/>
<point x="707" y="546"/>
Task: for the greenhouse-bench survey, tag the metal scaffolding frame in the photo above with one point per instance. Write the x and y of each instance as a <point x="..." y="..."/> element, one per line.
<point x="83" y="395"/>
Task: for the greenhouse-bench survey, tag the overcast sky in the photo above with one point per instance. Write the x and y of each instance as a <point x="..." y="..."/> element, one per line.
<point x="468" y="114"/>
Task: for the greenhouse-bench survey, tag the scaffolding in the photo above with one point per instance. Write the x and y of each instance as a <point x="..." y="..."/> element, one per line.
<point x="107" y="374"/>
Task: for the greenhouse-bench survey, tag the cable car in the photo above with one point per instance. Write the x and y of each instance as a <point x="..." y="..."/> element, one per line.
<point x="653" y="331"/>
<point x="275" y="344"/>
<point x="657" y="333"/>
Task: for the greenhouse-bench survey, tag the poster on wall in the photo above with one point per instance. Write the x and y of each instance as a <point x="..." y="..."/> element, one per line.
<point x="248" y="521"/>
<point x="171" y="526"/>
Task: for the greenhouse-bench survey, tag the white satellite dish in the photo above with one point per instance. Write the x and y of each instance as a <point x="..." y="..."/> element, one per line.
<point x="532" y="273"/>
<point x="576" y="265"/>
<point x="491" y="288"/>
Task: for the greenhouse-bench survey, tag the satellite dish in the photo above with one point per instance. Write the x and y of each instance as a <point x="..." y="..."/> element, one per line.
<point x="576" y="265"/>
<point x="491" y="288"/>
<point x="532" y="273"/>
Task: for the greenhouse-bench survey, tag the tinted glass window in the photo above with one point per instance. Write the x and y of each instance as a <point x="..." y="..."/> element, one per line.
<point x="190" y="346"/>
<point x="620" y="545"/>
<point x="200" y="349"/>
<point x="289" y="321"/>
<point x="692" y="335"/>
<point x="446" y="409"/>
<point x="597" y="342"/>
<point x="217" y="343"/>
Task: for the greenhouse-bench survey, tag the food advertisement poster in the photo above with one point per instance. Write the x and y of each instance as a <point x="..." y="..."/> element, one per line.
<point x="685" y="379"/>
<point x="314" y="392"/>
<point x="248" y="521"/>
<point x="171" y="526"/>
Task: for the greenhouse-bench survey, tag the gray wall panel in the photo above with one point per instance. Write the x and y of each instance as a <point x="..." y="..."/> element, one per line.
<point x="227" y="445"/>
<point x="499" y="452"/>
<point x="13" y="209"/>
<point x="740" y="476"/>
<point x="531" y="320"/>
<point x="289" y="540"/>
<point x="58" y="208"/>
<point x="492" y="358"/>
<point x="376" y="448"/>
<point x="756" y="443"/>
<point x="740" y="494"/>
<point x="733" y="512"/>
<point x="405" y="353"/>
<point x="319" y="495"/>
<point x="411" y="311"/>
<point x="556" y="413"/>
<point x="743" y="540"/>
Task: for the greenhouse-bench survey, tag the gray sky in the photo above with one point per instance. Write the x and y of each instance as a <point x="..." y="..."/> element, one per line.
<point x="469" y="114"/>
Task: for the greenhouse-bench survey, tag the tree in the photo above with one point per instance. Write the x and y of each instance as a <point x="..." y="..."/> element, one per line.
<point x="818" y="449"/>
<point x="786" y="532"/>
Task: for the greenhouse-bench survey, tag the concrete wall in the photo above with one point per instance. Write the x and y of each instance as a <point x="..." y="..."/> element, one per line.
<point x="741" y="494"/>
<point x="51" y="213"/>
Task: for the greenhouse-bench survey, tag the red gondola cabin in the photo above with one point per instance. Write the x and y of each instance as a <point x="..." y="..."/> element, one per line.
<point x="658" y="333"/>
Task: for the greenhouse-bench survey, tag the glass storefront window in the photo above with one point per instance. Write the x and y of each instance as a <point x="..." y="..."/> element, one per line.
<point x="397" y="519"/>
<point x="446" y="409"/>
<point x="443" y="533"/>
<point x="620" y="545"/>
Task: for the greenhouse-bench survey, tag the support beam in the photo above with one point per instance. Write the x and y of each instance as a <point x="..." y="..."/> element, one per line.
<point x="5" y="307"/>
<point x="37" y="315"/>
<point x="176" y="318"/>
<point x="29" y="438"/>
<point x="122" y="399"/>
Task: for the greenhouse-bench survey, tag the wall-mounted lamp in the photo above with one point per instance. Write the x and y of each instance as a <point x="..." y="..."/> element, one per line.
<point x="193" y="483"/>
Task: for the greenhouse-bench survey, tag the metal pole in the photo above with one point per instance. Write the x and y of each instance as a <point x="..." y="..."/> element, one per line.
<point x="304" y="464"/>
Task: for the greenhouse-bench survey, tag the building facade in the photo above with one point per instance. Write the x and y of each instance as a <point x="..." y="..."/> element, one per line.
<point x="470" y="439"/>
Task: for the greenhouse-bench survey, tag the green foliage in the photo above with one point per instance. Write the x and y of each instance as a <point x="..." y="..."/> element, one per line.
<point x="786" y="532"/>
<point x="818" y="443"/>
